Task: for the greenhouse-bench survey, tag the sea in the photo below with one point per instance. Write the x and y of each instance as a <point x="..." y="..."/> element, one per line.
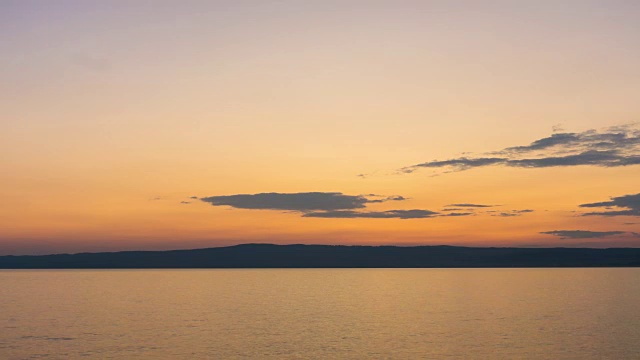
<point x="576" y="313"/>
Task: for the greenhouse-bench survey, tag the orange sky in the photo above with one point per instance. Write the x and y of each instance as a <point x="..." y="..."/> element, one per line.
<point x="113" y="114"/>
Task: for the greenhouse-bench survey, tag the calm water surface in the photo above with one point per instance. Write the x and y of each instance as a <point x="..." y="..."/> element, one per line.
<point x="321" y="314"/>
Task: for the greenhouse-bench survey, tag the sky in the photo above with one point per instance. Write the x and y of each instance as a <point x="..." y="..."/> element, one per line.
<point x="186" y="124"/>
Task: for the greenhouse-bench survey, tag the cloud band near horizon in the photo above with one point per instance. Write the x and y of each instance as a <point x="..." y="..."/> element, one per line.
<point x="583" y="234"/>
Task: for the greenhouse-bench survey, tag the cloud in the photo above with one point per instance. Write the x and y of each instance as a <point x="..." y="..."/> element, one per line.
<point x="390" y="214"/>
<point x="456" y="214"/>
<point x="338" y="205"/>
<point x="467" y="209"/>
<point x="582" y="234"/>
<point x="627" y="205"/>
<point x="320" y="204"/>
<point x="609" y="158"/>
<point x="510" y="213"/>
<point x="544" y="143"/>
<point x="302" y="202"/>
<point x="462" y="163"/>
<point x="323" y="205"/>
<point x="185" y="202"/>
<point x="467" y="205"/>
<point x="611" y="147"/>
<point x="396" y="198"/>
<point x="381" y="198"/>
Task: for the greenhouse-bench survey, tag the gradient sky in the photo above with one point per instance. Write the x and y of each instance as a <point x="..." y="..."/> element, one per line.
<point x="113" y="114"/>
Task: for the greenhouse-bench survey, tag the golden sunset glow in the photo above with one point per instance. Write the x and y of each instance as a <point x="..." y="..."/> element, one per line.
<point x="119" y="119"/>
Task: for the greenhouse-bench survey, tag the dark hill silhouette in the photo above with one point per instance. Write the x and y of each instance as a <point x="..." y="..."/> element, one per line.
<point x="329" y="256"/>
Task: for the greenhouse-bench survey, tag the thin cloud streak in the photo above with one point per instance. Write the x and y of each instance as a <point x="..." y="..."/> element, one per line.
<point x="468" y="205"/>
<point x="582" y="234"/>
<point x="611" y="147"/>
<point x="337" y="205"/>
<point x="628" y="205"/>
<point x="390" y="214"/>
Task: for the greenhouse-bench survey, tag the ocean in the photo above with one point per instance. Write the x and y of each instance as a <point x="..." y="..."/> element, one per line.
<point x="575" y="313"/>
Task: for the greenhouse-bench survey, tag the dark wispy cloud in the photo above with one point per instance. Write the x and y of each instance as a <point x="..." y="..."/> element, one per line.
<point x="611" y="147"/>
<point x="339" y="206"/>
<point x="319" y="204"/>
<point x="544" y="143"/>
<point x="626" y="205"/>
<point x="373" y="198"/>
<point x="307" y="201"/>
<point x="462" y="163"/>
<point x="468" y="205"/>
<point x="456" y="214"/>
<point x="582" y="234"/>
<point x="509" y="213"/>
<point x="466" y="209"/>
<point x="390" y="214"/>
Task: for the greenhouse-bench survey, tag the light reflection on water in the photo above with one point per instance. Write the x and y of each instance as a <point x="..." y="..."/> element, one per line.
<point x="321" y="314"/>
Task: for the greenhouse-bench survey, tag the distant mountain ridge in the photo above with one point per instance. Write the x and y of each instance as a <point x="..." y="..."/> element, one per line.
<point x="333" y="256"/>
